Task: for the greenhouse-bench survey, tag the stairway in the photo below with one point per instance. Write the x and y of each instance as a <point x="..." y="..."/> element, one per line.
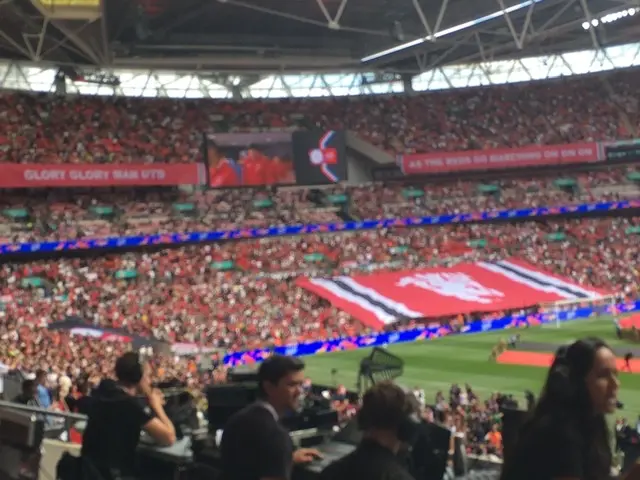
<point x="345" y="215"/>
<point x="319" y="198"/>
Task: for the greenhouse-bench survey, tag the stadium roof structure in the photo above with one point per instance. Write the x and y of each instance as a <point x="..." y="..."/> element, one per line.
<point x="395" y="38"/>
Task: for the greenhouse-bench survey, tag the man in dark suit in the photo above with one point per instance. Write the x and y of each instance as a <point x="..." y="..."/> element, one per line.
<point x="255" y="446"/>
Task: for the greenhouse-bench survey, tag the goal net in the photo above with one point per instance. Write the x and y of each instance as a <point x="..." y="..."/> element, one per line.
<point x="557" y="312"/>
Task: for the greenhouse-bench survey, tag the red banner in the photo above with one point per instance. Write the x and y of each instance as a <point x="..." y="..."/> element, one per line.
<point x="537" y="155"/>
<point x="384" y="298"/>
<point x="38" y="176"/>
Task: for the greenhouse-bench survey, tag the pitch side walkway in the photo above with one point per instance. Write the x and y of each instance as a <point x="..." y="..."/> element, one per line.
<point x="552" y="347"/>
<point x="539" y="359"/>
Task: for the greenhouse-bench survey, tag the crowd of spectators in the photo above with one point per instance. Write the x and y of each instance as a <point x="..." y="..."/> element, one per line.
<point x="376" y="201"/>
<point x="81" y="214"/>
<point x="242" y="295"/>
<point x="47" y="129"/>
<point x="625" y="96"/>
<point x="477" y="421"/>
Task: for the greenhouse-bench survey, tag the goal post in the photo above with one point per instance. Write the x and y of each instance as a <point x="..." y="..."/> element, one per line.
<point x="562" y="310"/>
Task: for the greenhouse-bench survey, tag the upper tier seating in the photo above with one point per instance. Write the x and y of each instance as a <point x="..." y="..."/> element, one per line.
<point x="48" y="129"/>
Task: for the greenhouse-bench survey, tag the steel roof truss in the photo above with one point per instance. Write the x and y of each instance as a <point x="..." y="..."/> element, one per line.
<point x="36" y="54"/>
<point x="13" y="44"/>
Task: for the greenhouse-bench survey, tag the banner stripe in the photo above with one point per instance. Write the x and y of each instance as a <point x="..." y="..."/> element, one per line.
<point x="389" y="311"/>
<point x="528" y="281"/>
<point x="544" y="282"/>
<point x="380" y="315"/>
<point x="543" y="276"/>
<point x="377" y="297"/>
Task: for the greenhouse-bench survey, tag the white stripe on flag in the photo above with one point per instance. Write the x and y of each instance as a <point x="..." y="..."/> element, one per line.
<point x="492" y="267"/>
<point x="380" y="314"/>
<point x="537" y="274"/>
<point x="378" y="297"/>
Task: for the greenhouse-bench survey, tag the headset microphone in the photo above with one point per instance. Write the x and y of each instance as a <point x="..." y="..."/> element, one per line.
<point x="619" y="405"/>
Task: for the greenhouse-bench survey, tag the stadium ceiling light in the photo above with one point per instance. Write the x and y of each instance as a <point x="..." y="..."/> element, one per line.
<point x="449" y="31"/>
<point x="610" y="18"/>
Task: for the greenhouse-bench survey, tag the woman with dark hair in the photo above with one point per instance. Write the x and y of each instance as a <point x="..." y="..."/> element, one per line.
<point x="59" y="402"/>
<point x="566" y="437"/>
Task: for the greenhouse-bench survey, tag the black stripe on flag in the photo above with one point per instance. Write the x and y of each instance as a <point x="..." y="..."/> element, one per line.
<point x="375" y="303"/>
<point x="532" y="279"/>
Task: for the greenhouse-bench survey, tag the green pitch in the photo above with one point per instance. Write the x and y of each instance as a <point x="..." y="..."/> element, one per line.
<point x="435" y="364"/>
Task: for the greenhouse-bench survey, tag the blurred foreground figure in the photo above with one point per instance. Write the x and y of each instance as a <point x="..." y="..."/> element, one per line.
<point x="389" y="421"/>
<point x="567" y="436"/>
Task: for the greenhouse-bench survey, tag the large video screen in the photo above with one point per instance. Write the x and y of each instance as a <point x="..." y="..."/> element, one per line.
<point x="276" y="158"/>
<point x="320" y="157"/>
<point x="250" y="159"/>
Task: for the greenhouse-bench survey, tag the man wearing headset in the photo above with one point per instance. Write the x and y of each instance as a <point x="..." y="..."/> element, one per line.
<point x="389" y="421"/>
<point x="117" y="413"/>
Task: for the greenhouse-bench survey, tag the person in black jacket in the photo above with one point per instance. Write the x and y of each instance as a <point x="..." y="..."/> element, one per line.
<point x="79" y="403"/>
<point x="386" y="410"/>
<point x="566" y="436"/>
<point x="29" y="394"/>
<point x="118" y="412"/>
